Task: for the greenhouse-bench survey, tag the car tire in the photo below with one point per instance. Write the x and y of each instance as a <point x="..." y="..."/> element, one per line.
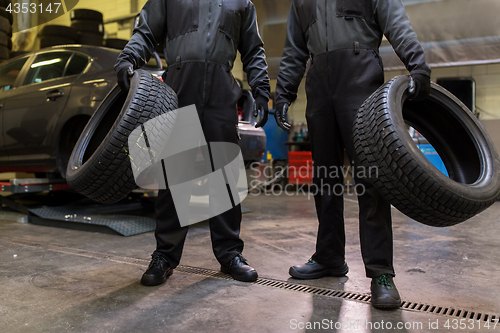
<point x="59" y="31"/>
<point x="87" y="38"/>
<point x="13" y="54"/>
<point x="4" y="39"/>
<point x="6" y="14"/>
<point x="86" y="14"/>
<point x="5" y="25"/>
<point x="4" y="52"/>
<point x="99" y="166"/>
<point x="88" y="26"/>
<point x="48" y="41"/>
<point x="115" y="43"/>
<point x="405" y="177"/>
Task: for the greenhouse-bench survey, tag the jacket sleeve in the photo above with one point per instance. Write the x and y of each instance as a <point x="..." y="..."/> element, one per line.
<point x="253" y="55"/>
<point x="393" y="20"/>
<point x="149" y="33"/>
<point x="294" y="59"/>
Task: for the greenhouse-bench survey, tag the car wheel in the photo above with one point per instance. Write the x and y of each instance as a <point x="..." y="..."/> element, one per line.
<point x="86" y="14"/>
<point x="99" y="166"/>
<point x="404" y="175"/>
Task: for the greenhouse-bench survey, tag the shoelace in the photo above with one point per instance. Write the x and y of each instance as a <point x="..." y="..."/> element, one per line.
<point x="155" y="260"/>
<point x="242" y="259"/>
<point x="384" y="280"/>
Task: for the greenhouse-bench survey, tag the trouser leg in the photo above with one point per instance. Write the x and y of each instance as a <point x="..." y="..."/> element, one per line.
<point x="169" y="234"/>
<point x="327" y="153"/>
<point x="219" y="126"/>
<point x="364" y="76"/>
<point x="215" y="97"/>
<point x="328" y="160"/>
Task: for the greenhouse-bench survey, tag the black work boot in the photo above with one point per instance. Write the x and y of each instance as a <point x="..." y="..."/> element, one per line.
<point x="157" y="272"/>
<point x="384" y="293"/>
<point x="314" y="270"/>
<point x="240" y="270"/>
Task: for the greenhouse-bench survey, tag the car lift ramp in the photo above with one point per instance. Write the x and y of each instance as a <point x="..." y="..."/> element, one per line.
<point x="81" y="215"/>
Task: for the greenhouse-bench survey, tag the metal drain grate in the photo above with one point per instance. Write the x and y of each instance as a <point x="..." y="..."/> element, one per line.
<point x="408" y="306"/>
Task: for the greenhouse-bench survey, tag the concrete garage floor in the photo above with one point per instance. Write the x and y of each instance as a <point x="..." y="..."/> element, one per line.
<point x="60" y="280"/>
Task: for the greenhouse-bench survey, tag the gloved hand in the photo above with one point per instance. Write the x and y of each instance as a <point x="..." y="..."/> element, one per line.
<point x="280" y="115"/>
<point x="123" y="74"/>
<point x="422" y="87"/>
<point x="261" y="107"/>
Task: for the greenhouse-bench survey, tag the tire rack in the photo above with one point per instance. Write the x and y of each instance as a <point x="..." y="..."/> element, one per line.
<point x="79" y="215"/>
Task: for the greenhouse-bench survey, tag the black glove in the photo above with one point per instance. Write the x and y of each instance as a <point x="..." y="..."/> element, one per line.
<point x="122" y="76"/>
<point x="422" y="87"/>
<point x="261" y="106"/>
<point x="280" y="115"/>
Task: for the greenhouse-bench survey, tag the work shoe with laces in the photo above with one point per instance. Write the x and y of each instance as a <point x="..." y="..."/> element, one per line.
<point x="384" y="293"/>
<point x="239" y="269"/>
<point x="313" y="270"/>
<point x="158" y="271"/>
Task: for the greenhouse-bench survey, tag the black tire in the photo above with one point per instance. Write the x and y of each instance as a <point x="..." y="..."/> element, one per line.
<point x="59" y="31"/>
<point x="13" y="54"/>
<point x="4" y="52"/>
<point x="115" y="43"/>
<point x="405" y="177"/>
<point x="9" y="44"/>
<point x="48" y="41"/>
<point x="88" y="26"/>
<point x="5" y="25"/>
<point x="99" y="166"/>
<point x="4" y="39"/>
<point x="4" y="3"/>
<point x="87" y="38"/>
<point x="6" y="14"/>
<point x="86" y="14"/>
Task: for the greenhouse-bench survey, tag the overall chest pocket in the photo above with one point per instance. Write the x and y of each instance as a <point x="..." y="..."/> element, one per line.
<point x="230" y="23"/>
<point x="307" y="14"/>
<point x="182" y="17"/>
<point x="354" y="8"/>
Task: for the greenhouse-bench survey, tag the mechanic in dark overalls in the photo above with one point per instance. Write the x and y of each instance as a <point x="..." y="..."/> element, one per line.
<point x="341" y="38"/>
<point x="202" y="38"/>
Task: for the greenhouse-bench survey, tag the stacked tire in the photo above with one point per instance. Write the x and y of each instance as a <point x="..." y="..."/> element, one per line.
<point x="115" y="43"/>
<point x="6" y="20"/>
<point x="89" y="26"/>
<point x="52" y="35"/>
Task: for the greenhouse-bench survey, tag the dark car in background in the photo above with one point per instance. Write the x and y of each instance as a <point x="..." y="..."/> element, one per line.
<point x="48" y="96"/>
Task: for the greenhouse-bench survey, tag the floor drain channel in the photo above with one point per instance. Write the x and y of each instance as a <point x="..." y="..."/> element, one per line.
<point x="409" y="306"/>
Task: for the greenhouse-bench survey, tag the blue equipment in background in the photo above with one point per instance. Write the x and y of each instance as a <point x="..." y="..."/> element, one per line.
<point x="276" y="138"/>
